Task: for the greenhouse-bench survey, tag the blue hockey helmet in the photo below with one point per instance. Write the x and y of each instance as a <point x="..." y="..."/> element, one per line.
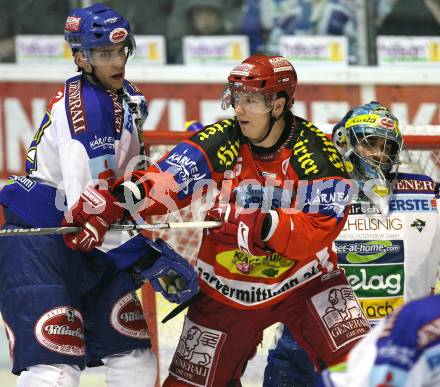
<point x="369" y="140"/>
<point x="96" y="26"/>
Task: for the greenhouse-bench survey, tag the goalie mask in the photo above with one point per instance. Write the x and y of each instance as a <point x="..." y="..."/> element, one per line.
<point x="369" y="140"/>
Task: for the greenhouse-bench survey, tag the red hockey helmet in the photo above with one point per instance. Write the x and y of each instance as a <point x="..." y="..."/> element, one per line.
<point x="267" y="75"/>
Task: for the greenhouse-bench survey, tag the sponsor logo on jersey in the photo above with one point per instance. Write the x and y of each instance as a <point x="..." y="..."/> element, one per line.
<point x="227" y="154"/>
<point x="76" y="113"/>
<point x="118" y="35"/>
<point x="248" y="293"/>
<point x="304" y="157"/>
<point x="117" y="109"/>
<point x="313" y="157"/>
<point x="258" y="196"/>
<point x="127" y="317"/>
<point x="24" y="182"/>
<point x="329" y="197"/>
<point x="61" y="330"/>
<point x="373" y="224"/>
<point x="340" y="315"/>
<point x="102" y="143"/>
<point x="212" y="130"/>
<point x="378" y="308"/>
<point x="423" y="186"/>
<point x="419" y="224"/>
<point x="196" y="356"/>
<point x="183" y="163"/>
<point x="364" y="208"/>
<point x="329" y="149"/>
<point x="243" y="237"/>
<point x="376" y="281"/>
<point x="239" y="262"/>
<point x="413" y="205"/>
<point x="375" y="251"/>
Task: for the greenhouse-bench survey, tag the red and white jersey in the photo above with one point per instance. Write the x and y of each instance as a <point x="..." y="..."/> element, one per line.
<point x="302" y="177"/>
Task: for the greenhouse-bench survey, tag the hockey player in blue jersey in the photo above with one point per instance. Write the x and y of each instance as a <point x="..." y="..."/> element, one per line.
<point x="401" y="351"/>
<point x="389" y="247"/>
<point x="71" y="303"/>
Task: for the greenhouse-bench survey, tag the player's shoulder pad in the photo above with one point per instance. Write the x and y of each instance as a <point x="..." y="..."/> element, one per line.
<point x="413" y="183"/>
<point x="94" y="115"/>
<point x="313" y="153"/>
<point x="220" y="142"/>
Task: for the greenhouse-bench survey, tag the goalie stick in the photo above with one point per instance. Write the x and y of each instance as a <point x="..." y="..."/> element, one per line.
<point x="113" y="227"/>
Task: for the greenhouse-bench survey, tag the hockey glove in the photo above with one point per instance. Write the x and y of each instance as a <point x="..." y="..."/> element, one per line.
<point x="243" y="227"/>
<point x="95" y="210"/>
<point x="168" y="272"/>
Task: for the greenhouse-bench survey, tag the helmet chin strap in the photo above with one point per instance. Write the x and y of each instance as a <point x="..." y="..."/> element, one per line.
<point x="272" y="121"/>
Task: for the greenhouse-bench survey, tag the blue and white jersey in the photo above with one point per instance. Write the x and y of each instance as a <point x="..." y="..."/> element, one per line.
<point x="88" y="134"/>
<point x="392" y="258"/>
<point x="401" y="351"/>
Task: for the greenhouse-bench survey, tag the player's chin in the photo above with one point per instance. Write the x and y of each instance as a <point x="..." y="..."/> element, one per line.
<point x="116" y="84"/>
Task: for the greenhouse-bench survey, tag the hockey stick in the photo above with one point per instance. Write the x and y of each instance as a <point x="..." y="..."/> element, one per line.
<point x="113" y="227"/>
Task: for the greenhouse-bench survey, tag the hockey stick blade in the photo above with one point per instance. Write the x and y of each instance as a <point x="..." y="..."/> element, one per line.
<point x="113" y="227"/>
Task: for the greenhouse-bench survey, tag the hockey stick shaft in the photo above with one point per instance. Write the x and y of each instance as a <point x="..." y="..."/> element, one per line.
<point x="113" y="227"/>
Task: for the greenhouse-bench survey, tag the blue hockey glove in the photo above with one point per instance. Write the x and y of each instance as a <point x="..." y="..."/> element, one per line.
<point x="168" y="272"/>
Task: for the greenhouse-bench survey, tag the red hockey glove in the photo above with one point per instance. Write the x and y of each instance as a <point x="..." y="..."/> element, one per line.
<point x="95" y="210"/>
<point x="244" y="227"/>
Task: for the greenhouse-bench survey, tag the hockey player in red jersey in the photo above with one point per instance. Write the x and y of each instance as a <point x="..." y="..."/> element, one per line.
<point x="284" y="198"/>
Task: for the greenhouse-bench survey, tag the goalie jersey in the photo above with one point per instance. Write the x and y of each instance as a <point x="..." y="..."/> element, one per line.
<point x="392" y="258"/>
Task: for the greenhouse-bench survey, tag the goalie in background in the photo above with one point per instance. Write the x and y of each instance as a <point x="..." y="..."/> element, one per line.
<point x="71" y="304"/>
<point x="390" y="245"/>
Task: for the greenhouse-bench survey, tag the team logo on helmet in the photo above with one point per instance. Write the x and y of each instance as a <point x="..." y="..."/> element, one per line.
<point x="111" y="20"/>
<point x="61" y="330"/>
<point x="387" y="122"/>
<point x="72" y="23"/>
<point x="118" y="35"/>
<point x="280" y="64"/>
<point x="242" y="69"/>
<point x="127" y="317"/>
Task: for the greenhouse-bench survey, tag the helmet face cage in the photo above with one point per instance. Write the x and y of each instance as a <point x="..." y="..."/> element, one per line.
<point x="374" y="155"/>
<point x="98" y="26"/>
<point x="251" y="99"/>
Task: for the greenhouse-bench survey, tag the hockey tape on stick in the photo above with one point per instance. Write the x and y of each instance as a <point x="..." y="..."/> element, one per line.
<point x="113" y="227"/>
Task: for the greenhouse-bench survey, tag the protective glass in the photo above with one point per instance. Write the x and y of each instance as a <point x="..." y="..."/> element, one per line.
<point x="250" y="99"/>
